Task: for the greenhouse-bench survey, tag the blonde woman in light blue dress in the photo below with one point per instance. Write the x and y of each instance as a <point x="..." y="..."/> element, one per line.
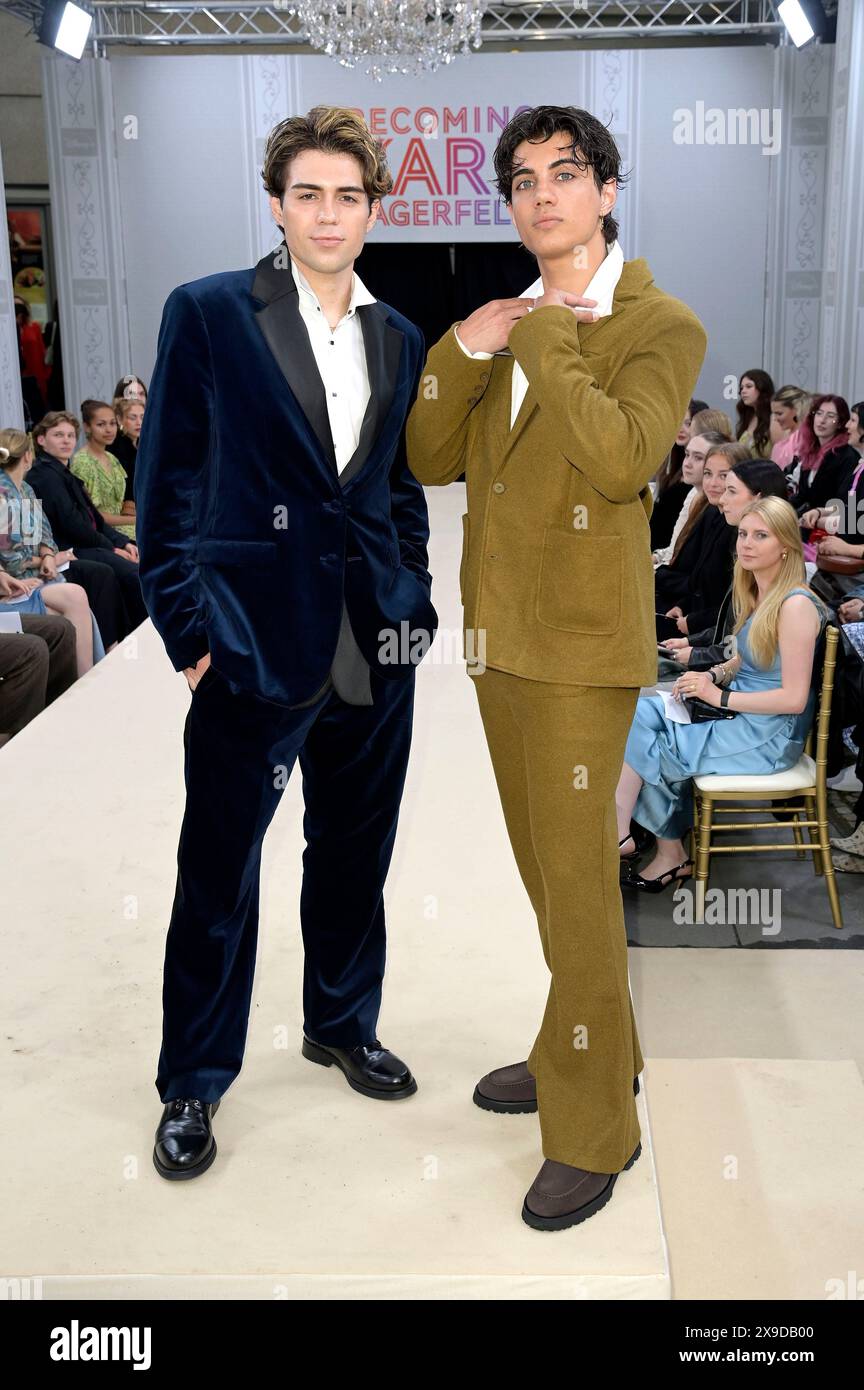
<point x="768" y="682"/>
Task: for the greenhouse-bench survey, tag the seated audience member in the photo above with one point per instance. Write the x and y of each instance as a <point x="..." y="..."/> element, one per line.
<point x="72" y="516"/>
<point x="710" y="421"/>
<point x="36" y="665"/>
<point x="789" y="407"/>
<point x="768" y="685"/>
<point x="130" y="415"/>
<point x="843" y="519"/>
<point x="747" y="480"/>
<point x="855" y="427"/>
<point x="851" y="610"/>
<point x="691" y="587"/>
<point x="824" y="456"/>
<point x="708" y="424"/>
<point x="27" y="599"/>
<point x="691" y="475"/>
<point x="847" y="717"/>
<point x="97" y="581"/>
<point x="129" y="388"/>
<point x="28" y="550"/>
<point x="670" y="487"/>
<point x="753" y="410"/>
<point x="100" y="471"/>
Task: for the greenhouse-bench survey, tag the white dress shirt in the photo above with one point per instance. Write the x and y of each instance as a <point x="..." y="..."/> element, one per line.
<point x="340" y="355"/>
<point x="601" y="287"/>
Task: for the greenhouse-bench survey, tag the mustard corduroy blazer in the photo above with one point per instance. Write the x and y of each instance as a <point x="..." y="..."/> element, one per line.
<point x="556" y="576"/>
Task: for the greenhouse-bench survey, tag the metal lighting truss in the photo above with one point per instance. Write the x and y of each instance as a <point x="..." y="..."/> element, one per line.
<point x="228" y="23"/>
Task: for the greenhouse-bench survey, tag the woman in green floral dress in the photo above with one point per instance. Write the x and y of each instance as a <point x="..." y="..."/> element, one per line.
<point x="102" y="474"/>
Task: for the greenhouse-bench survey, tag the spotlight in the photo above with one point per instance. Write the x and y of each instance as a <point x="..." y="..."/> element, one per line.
<point x="65" y="26"/>
<point x="806" y="20"/>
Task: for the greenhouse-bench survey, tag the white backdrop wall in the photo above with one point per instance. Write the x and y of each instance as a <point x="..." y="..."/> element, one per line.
<point x="195" y="167"/>
<point x="186" y="133"/>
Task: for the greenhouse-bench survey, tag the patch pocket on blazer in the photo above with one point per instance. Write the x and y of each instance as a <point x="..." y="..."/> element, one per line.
<point x="580" y="582"/>
<point x="465" y="534"/>
<point x="216" y="551"/>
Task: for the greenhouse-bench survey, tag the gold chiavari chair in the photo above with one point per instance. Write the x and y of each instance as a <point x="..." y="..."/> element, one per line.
<point x="806" y="780"/>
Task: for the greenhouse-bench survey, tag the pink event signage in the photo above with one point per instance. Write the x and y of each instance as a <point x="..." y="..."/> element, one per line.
<point x="441" y="161"/>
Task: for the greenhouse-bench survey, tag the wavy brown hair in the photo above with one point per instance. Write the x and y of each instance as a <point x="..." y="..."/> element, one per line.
<point x="335" y="130"/>
<point x="761" y="411"/>
<point x="54" y="417"/>
<point x="732" y="453"/>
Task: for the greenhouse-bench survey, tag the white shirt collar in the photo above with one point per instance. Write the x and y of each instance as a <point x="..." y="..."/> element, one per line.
<point x="601" y="286"/>
<point x="359" y="292"/>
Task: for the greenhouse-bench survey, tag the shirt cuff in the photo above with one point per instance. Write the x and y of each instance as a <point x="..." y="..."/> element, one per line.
<point x="481" y="356"/>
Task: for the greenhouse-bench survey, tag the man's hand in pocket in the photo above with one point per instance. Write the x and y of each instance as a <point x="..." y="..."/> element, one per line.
<point x="194" y="673"/>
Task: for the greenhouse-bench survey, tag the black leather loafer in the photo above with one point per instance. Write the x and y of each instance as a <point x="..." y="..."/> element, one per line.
<point x="185" y="1146"/>
<point x="369" y="1069"/>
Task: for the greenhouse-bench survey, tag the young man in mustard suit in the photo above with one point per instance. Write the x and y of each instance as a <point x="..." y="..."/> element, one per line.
<point x="558" y="406"/>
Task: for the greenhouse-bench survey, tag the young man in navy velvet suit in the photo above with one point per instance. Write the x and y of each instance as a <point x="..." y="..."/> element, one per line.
<point x="282" y="546"/>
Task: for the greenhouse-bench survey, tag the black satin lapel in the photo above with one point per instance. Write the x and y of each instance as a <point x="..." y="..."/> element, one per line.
<point x="285" y="333"/>
<point x="383" y="347"/>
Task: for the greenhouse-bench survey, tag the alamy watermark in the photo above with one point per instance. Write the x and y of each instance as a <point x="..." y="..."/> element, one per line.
<point x="701" y="125"/>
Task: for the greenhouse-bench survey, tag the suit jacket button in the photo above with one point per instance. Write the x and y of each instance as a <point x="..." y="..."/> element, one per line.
<point x="499" y="487"/>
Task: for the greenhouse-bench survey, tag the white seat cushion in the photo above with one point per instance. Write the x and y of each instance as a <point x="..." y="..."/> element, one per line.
<point x="794" y="779"/>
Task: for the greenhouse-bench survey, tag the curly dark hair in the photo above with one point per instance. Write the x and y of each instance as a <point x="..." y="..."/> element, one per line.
<point x="592" y="148"/>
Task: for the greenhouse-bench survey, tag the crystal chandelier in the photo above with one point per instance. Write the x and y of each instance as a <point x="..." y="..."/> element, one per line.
<point x="407" y="36"/>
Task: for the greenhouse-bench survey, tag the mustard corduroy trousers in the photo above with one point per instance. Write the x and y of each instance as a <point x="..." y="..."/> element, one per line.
<point x="557" y="752"/>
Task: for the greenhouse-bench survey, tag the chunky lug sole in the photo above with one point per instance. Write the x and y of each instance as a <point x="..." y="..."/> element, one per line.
<point x="575" y="1218"/>
<point x="517" y="1107"/>
<point x="196" y="1169"/>
<point x="314" y="1053"/>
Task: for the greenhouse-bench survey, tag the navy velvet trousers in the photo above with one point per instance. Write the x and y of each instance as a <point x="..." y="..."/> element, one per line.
<point x="240" y="750"/>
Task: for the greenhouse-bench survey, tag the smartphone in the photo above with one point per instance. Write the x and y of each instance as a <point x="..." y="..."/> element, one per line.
<point x="666" y="627"/>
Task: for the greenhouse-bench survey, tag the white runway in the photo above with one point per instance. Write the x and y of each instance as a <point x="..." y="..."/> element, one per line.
<point x="749" y="1184"/>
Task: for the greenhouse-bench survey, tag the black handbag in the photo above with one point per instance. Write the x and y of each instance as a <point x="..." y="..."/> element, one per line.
<point x="701" y="712"/>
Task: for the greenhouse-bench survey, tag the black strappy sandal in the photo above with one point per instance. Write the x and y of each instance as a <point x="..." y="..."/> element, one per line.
<point x="656" y="885"/>
<point x="627" y="858"/>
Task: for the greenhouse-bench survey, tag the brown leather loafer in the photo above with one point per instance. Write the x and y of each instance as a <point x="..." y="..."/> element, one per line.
<point x="512" y="1090"/>
<point x="508" y="1090"/>
<point x="562" y="1196"/>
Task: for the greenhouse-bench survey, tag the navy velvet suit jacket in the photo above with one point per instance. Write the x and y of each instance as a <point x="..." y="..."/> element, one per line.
<point x="249" y="538"/>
